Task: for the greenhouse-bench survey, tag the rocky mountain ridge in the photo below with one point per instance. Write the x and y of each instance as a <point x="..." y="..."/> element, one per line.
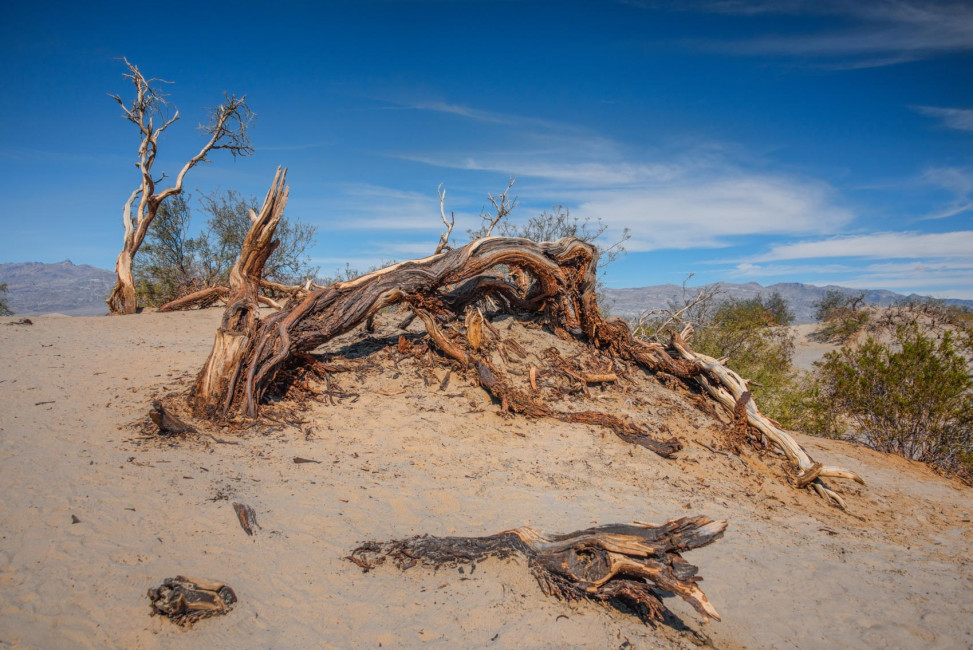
<point x="35" y="288"/>
<point x="628" y="303"/>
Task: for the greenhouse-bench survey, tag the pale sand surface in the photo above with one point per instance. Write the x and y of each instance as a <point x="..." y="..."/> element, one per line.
<point x="807" y="350"/>
<point x="895" y="571"/>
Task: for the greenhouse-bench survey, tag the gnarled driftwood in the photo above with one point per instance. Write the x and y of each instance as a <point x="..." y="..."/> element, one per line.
<point x="621" y="561"/>
<point x="550" y="282"/>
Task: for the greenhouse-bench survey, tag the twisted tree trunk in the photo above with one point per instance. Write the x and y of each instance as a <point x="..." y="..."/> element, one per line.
<point x="241" y="318"/>
<point x="557" y="287"/>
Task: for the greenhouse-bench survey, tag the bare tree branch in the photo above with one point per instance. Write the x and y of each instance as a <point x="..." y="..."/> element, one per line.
<point x="444" y="238"/>
<point x="503" y="205"/>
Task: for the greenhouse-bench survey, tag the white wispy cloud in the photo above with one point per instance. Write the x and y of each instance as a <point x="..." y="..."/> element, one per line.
<point x="484" y="116"/>
<point x="960" y="119"/>
<point x="885" y="245"/>
<point x="710" y="212"/>
<point x="945" y="281"/>
<point x="955" y="180"/>
<point x="372" y="207"/>
<point x="949" y="278"/>
<point x="554" y="168"/>
<point x="883" y="32"/>
<point x="750" y="270"/>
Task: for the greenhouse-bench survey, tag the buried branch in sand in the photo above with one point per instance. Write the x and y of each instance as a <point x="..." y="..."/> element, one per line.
<point x="551" y="284"/>
<point x="615" y="561"/>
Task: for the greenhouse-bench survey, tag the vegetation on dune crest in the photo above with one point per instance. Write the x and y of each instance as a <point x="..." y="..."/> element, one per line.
<point x="841" y="316"/>
<point x="906" y="389"/>
<point x="912" y="396"/>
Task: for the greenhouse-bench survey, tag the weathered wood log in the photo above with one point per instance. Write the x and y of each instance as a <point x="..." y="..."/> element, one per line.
<point x="211" y="295"/>
<point x="197" y="300"/>
<point x="622" y="561"/>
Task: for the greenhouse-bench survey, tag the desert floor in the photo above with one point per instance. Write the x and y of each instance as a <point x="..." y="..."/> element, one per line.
<point x="893" y="571"/>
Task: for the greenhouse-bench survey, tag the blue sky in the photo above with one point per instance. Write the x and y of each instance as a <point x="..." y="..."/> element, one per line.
<point x="770" y="141"/>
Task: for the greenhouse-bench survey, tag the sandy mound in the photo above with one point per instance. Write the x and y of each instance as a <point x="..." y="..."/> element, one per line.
<point x="401" y="454"/>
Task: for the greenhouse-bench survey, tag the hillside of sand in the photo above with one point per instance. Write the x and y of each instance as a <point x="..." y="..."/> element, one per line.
<point x="401" y="451"/>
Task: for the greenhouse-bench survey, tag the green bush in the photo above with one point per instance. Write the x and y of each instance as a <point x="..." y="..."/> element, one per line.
<point x="749" y="334"/>
<point x="4" y="308"/>
<point x="172" y="264"/>
<point x="913" y="397"/>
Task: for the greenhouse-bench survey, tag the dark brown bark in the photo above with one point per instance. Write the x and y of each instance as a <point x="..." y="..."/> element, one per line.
<point x="625" y="561"/>
<point x="561" y="294"/>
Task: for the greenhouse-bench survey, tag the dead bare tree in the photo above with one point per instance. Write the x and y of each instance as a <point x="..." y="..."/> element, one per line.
<point x="150" y="111"/>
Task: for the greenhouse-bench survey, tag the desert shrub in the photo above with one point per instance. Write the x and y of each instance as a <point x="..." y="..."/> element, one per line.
<point x="167" y="265"/>
<point x="749" y="333"/>
<point x="802" y="404"/>
<point x="172" y="263"/>
<point x="558" y="222"/>
<point x="913" y="397"/>
<point x="841" y="316"/>
<point x="4" y="308"/>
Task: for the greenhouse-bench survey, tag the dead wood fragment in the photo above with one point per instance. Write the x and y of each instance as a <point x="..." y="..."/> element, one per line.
<point x="197" y="300"/>
<point x="186" y="600"/>
<point x="600" y="378"/>
<point x="247" y="517"/>
<point x="21" y="321"/>
<point x="808" y="476"/>
<point x="616" y="561"/>
<point x="727" y="388"/>
<point x="520" y="402"/>
<point x="168" y="423"/>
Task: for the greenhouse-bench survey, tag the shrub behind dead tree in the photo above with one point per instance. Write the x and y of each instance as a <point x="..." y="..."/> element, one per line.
<point x="174" y="264"/>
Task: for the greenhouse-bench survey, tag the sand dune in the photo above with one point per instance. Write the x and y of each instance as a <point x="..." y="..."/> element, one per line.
<point x="893" y="571"/>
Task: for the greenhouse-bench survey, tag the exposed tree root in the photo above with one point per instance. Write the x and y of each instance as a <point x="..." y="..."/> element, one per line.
<point x="728" y="388"/>
<point x="448" y="292"/>
<point x="616" y="561"/>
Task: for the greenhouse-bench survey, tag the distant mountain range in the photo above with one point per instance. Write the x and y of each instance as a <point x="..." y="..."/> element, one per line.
<point x="34" y="288"/>
<point x="801" y="298"/>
